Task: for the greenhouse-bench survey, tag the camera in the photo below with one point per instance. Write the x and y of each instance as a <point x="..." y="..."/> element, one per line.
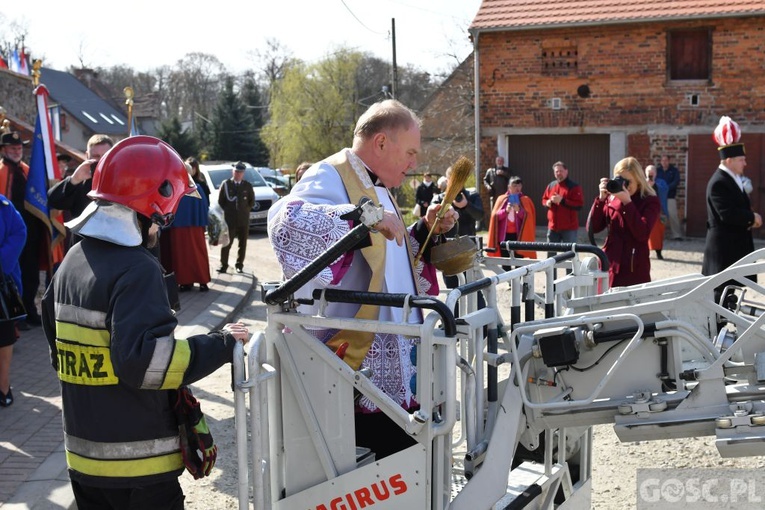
<point x="617" y="184"/>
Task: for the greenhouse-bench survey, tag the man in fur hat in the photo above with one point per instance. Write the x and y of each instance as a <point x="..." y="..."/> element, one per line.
<point x="730" y="218"/>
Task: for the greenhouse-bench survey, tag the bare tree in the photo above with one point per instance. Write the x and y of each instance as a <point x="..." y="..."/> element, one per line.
<point x="273" y="61"/>
<point x="193" y="87"/>
<point x="13" y="37"/>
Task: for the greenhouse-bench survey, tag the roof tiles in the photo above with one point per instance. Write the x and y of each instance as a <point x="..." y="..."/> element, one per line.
<point x="520" y="14"/>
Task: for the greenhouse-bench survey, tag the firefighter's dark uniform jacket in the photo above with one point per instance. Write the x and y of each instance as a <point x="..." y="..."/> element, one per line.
<point x="110" y="329"/>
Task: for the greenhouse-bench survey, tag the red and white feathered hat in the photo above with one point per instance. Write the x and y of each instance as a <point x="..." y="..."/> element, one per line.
<point x="727" y="134"/>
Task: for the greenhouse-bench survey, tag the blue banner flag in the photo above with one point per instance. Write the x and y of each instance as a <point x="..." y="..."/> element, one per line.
<point x="37" y="180"/>
<point x="43" y="168"/>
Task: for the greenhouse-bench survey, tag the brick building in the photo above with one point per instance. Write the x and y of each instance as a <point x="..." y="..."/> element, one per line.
<point x="592" y="81"/>
<point x="448" y="121"/>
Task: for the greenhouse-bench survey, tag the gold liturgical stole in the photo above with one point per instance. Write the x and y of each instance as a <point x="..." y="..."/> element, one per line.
<point x="358" y="184"/>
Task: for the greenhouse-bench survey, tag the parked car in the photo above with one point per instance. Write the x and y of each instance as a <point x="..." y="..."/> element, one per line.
<point x="275" y="176"/>
<point x="277" y="184"/>
<point x="270" y="172"/>
<point x="218" y="171"/>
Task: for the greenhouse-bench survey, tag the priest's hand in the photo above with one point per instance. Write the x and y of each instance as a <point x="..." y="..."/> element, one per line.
<point x="447" y="222"/>
<point x="391" y="227"/>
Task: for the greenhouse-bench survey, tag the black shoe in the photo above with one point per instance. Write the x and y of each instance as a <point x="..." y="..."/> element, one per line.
<point x="203" y="288"/>
<point x="23" y="326"/>
<point x="184" y="288"/>
<point x="659" y="255"/>
<point x="239" y="270"/>
<point x="222" y="269"/>
<point x="6" y="399"/>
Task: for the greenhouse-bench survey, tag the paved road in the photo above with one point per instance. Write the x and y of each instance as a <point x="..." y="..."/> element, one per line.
<point x="219" y="491"/>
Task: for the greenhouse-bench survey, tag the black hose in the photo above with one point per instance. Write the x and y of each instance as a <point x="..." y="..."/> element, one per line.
<point x="392" y="300"/>
<point x="559" y="247"/>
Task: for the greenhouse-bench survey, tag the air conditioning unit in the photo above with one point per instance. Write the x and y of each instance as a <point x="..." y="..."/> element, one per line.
<point x="555" y="103"/>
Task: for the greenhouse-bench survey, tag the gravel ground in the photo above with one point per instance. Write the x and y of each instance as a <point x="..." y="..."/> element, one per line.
<point x="614" y="463"/>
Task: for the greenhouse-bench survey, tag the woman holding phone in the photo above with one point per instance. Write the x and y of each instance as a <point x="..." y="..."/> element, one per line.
<point x="513" y="218"/>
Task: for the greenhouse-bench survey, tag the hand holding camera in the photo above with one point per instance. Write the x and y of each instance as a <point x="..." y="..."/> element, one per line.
<point x="84" y="171"/>
<point x="616" y="187"/>
<point x="460" y="201"/>
<point x="617" y="184"/>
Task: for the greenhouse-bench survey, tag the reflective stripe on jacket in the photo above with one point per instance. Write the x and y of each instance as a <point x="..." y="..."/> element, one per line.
<point x="110" y="329"/>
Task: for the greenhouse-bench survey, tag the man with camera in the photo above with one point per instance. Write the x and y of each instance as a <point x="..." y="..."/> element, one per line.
<point x="71" y="194"/>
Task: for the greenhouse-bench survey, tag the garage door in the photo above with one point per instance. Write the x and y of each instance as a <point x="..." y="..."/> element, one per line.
<point x="532" y="156"/>
<point x="703" y="160"/>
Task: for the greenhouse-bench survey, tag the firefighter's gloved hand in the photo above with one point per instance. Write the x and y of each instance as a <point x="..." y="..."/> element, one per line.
<point x="197" y="445"/>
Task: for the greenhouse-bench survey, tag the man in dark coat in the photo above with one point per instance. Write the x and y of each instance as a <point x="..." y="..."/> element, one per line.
<point x="13" y="184"/>
<point x="424" y="193"/>
<point x="497" y="179"/>
<point x="730" y="218"/>
<point x="71" y="194"/>
<point x="236" y="198"/>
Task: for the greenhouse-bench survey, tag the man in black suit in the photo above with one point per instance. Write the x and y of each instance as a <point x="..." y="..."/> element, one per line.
<point x="730" y="218"/>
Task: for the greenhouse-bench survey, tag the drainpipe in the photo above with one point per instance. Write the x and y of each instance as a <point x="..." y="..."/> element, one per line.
<point x="476" y="111"/>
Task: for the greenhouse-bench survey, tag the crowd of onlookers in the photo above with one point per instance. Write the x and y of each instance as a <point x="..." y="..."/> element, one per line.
<point x="635" y="206"/>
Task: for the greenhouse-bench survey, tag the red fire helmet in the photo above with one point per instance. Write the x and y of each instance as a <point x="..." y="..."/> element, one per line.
<point x="144" y="174"/>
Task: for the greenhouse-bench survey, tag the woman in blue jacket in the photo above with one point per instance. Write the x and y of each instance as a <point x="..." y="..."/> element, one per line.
<point x="13" y="235"/>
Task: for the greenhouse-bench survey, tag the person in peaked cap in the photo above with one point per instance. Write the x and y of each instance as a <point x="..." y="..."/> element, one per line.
<point x="236" y="198"/>
<point x="730" y="218"/>
<point x="12" y="138"/>
<point x="13" y="184"/>
<point x="13" y="171"/>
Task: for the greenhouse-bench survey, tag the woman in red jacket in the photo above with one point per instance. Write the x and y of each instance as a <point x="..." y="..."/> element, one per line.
<point x="628" y="207"/>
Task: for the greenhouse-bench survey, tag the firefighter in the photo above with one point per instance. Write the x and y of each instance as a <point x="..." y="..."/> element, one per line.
<point x="110" y="328"/>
